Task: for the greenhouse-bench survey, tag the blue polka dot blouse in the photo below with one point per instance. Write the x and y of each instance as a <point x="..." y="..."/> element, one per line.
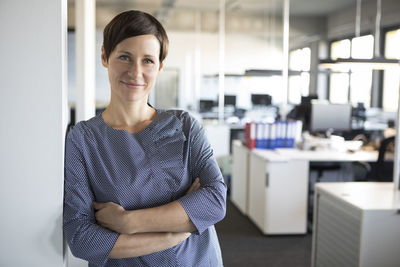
<point x="151" y="168"/>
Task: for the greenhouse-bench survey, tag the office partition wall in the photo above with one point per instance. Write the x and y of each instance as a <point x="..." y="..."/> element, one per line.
<point x="33" y="123"/>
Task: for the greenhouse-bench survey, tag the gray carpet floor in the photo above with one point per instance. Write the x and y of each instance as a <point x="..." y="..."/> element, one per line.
<point x="242" y="244"/>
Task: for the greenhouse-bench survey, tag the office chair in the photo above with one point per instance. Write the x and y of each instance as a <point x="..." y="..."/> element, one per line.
<point x="379" y="171"/>
<point x="320" y="167"/>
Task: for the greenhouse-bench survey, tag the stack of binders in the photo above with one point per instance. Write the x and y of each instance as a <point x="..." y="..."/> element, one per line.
<point x="271" y="135"/>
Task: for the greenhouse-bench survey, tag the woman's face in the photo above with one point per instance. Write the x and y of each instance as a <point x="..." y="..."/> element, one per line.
<point x="133" y="67"/>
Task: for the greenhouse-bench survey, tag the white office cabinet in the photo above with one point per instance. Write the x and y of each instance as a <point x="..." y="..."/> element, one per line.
<point x="240" y="181"/>
<point x="278" y="193"/>
<point x="356" y="224"/>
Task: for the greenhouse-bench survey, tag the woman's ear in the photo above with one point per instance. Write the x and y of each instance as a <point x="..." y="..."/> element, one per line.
<point x="104" y="60"/>
<point x="161" y="66"/>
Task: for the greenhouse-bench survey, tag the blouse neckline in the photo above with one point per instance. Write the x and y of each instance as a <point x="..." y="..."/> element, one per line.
<point x="150" y="126"/>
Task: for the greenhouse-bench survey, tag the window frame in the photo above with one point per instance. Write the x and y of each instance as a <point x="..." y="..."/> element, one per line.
<point x="298" y="72"/>
<point x="328" y="80"/>
<point x="382" y="51"/>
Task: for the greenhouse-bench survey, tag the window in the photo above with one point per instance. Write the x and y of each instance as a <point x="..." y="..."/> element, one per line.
<point x="362" y="47"/>
<point x="339" y="88"/>
<point x="299" y="60"/>
<point x="353" y="85"/>
<point x="340" y="49"/>
<point x="391" y="77"/>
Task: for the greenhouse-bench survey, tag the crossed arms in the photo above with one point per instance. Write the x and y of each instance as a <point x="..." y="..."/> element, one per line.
<point x="145" y="231"/>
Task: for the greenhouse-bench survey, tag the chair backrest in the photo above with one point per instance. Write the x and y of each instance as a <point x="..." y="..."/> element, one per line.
<point x="383" y="170"/>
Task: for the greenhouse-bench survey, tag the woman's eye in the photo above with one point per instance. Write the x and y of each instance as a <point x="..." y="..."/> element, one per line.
<point x="125" y="58"/>
<point x="148" y="61"/>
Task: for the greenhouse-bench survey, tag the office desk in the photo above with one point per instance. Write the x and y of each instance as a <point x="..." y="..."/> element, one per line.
<point x="278" y="189"/>
<point x="328" y="155"/>
<point x="356" y="224"/>
<point x="240" y="173"/>
<point x="271" y="186"/>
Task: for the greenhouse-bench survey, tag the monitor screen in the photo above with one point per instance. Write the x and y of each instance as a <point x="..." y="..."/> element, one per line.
<point x="206" y="105"/>
<point x="325" y="116"/>
<point x="229" y="100"/>
<point x="307" y="99"/>
<point x="260" y="99"/>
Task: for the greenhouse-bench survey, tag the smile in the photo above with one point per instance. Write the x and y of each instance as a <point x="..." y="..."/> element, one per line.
<point x="133" y="85"/>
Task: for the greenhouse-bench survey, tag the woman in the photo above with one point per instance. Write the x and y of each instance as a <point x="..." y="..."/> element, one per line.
<point x="141" y="185"/>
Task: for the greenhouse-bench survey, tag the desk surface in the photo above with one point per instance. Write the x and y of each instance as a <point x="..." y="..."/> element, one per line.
<point x="285" y="154"/>
<point x="365" y="195"/>
<point x="329" y="155"/>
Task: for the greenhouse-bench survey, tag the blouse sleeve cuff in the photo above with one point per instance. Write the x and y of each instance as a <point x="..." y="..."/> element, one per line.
<point x="190" y="208"/>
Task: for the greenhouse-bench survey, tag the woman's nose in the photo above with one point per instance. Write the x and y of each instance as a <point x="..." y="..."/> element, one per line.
<point x="135" y="70"/>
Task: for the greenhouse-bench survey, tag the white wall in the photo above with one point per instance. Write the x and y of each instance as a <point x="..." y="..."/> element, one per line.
<point x="33" y="123"/>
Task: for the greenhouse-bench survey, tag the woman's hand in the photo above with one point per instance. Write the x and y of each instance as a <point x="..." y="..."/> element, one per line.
<point x="196" y="185"/>
<point x="112" y="216"/>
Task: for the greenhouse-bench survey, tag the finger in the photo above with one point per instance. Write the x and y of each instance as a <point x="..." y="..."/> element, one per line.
<point x="189" y="191"/>
<point x="196" y="188"/>
<point x="195" y="185"/>
<point x="191" y="188"/>
<point x="195" y="182"/>
<point x="98" y="205"/>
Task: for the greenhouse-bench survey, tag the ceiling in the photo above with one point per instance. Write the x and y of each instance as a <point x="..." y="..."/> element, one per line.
<point x="297" y="7"/>
<point x="181" y="14"/>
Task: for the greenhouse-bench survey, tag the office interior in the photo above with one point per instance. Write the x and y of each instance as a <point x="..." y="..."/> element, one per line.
<point x="330" y="199"/>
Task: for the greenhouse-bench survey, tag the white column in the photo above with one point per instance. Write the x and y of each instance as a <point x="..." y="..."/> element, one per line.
<point x="285" y="58"/>
<point x="221" y="74"/>
<point x="188" y="80"/>
<point x="85" y="30"/>
<point x="396" y="167"/>
<point x="33" y="123"/>
<point x="197" y="63"/>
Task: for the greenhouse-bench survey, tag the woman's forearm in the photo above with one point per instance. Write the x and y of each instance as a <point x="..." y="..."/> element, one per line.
<point x="170" y="217"/>
<point x="140" y="244"/>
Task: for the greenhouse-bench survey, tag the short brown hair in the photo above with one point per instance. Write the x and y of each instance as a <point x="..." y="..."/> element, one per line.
<point x="130" y="24"/>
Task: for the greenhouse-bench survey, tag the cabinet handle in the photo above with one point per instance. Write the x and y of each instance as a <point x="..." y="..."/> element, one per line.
<point x="267" y="179"/>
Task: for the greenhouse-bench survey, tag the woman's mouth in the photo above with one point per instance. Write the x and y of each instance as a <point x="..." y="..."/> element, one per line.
<point x="132" y="85"/>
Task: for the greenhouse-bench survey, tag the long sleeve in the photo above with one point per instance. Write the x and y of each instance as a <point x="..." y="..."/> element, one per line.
<point x="205" y="206"/>
<point x="86" y="239"/>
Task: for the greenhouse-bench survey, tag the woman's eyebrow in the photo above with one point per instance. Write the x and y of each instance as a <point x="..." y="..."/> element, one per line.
<point x="129" y="53"/>
<point x="126" y="52"/>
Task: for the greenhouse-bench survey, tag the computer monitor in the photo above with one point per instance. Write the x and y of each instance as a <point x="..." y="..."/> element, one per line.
<point x="326" y="116"/>
<point x="206" y="105"/>
<point x="261" y="100"/>
<point x="229" y="100"/>
<point x="307" y="99"/>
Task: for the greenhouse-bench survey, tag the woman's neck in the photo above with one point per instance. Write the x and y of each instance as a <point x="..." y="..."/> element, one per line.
<point x="129" y="115"/>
